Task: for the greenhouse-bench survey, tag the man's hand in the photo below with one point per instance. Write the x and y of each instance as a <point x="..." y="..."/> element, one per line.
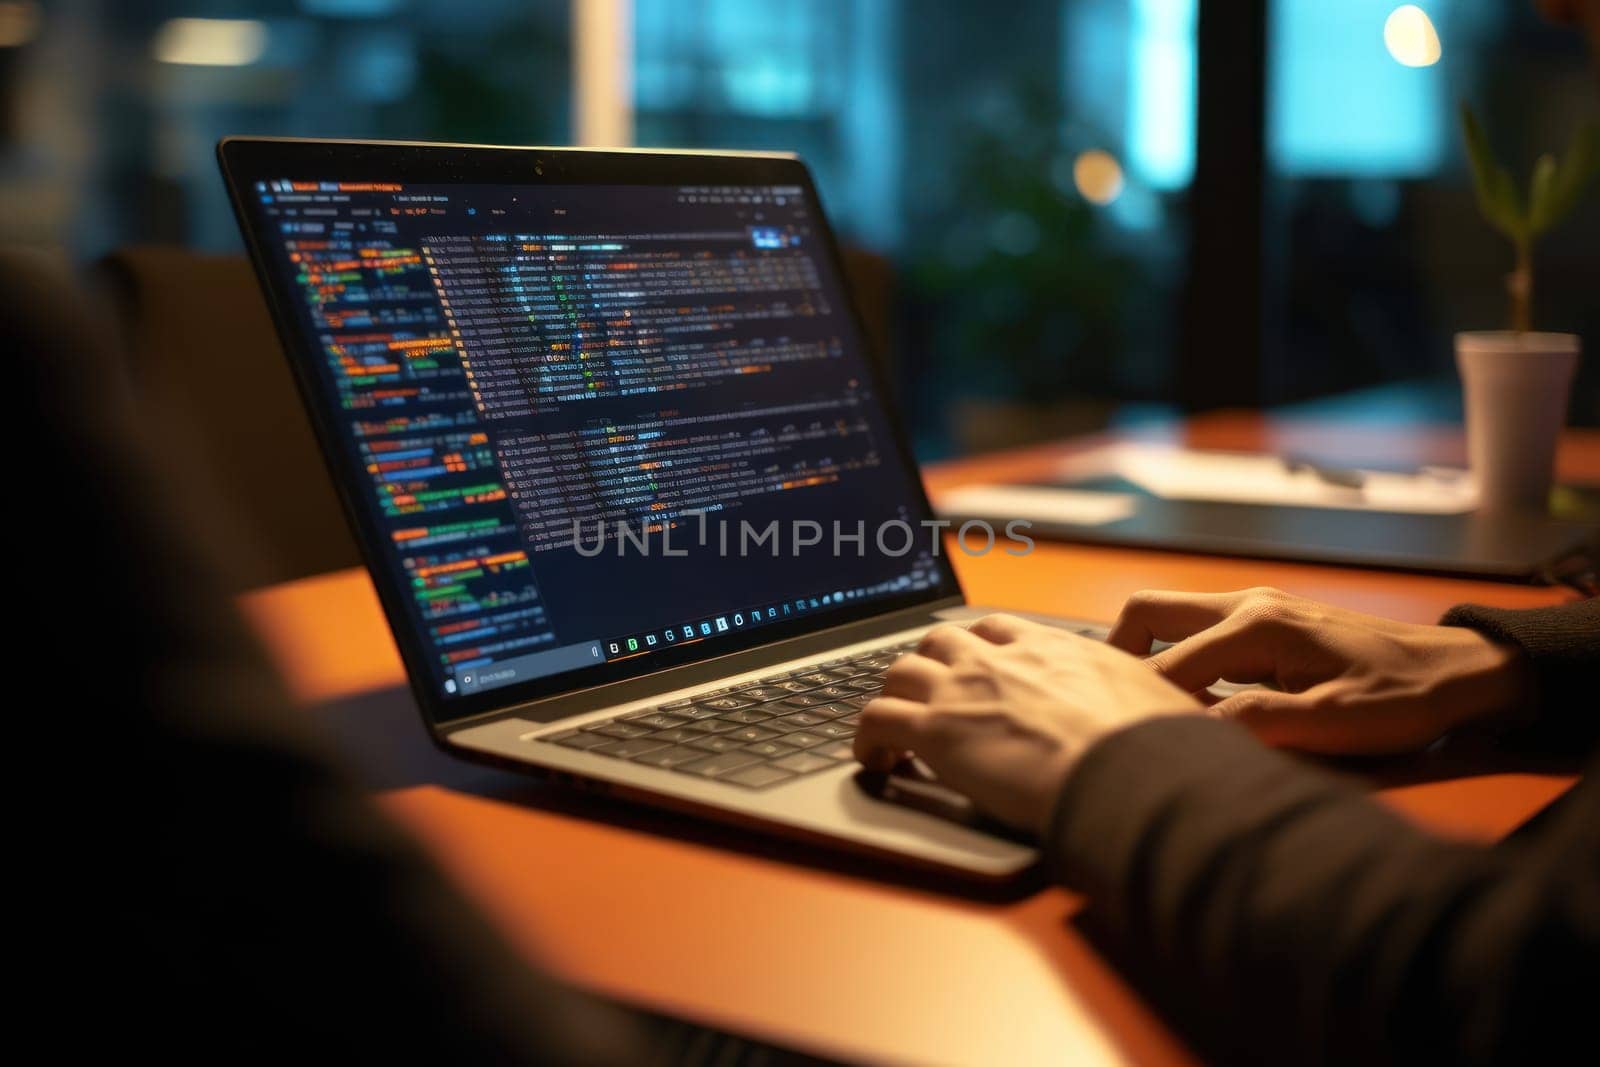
<point x="1346" y="682"/>
<point x="1000" y="712"/>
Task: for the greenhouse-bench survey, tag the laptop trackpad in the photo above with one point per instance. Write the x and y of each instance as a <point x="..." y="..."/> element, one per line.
<point x="912" y="785"/>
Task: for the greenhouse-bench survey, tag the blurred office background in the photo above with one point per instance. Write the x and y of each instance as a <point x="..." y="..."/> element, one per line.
<point x="1067" y="213"/>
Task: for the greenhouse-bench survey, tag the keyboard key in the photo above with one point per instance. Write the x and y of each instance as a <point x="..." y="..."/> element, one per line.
<point x="717" y="766"/>
<point x="677" y="735"/>
<point x="836" y="730"/>
<point x="620" y="730"/>
<point x="769" y="749"/>
<point x="851" y="720"/>
<point x="804" y="762"/>
<point x="692" y="712"/>
<point x="728" y="703"/>
<point x="712" y="726"/>
<point x="654" y="719"/>
<point x="839" y="750"/>
<point x="794" y="685"/>
<point x="818" y="677"/>
<point x="832" y="711"/>
<point x="804" y="718"/>
<point x="717" y="743"/>
<point x="629" y="749"/>
<point x="804" y="700"/>
<point x="759" y="776"/>
<point x="750" y="734"/>
<point x="762" y="692"/>
<point x="866" y="685"/>
<point x="849" y="670"/>
<point x="669" y="757"/>
<point x="783" y="726"/>
<point x="804" y="739"/>
<point x="834" y="692"/>
<point x="746" y="716"/>
<point x="579" y="739"/>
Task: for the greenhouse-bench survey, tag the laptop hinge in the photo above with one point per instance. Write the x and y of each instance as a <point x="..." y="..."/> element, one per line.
<point x="707" y="672"/>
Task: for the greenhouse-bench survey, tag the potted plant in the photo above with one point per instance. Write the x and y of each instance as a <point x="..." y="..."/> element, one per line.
<point x="1516" y="381"/>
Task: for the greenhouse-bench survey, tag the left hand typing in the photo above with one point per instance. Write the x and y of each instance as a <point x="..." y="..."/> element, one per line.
<point x="1001" y="711"/>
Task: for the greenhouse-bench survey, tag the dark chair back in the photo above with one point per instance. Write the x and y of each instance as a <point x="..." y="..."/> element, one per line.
<point x="206" y="368"/>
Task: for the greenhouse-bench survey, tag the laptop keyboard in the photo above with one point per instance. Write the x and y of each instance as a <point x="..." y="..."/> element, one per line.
<point x="758" y="734"/>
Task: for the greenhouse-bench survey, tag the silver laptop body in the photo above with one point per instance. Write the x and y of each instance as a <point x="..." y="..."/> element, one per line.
<point x="489" y="337"/>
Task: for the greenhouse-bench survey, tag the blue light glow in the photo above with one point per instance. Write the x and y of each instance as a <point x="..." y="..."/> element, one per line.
<point x="1161" y="92"/>
<point x="1339" y="104"/>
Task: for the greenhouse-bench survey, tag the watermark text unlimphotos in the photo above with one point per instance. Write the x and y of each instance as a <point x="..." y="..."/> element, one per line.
<point x="894" y="537"/>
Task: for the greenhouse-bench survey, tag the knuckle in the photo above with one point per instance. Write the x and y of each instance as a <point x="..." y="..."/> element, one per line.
<point x="1266" y="595"/>
<point x="996" y="625"/>
<point x="1142" y="601"/>
<point x="1267" y="607"/>
<point x="901" y="671"/>
<point x="938" y="639"/>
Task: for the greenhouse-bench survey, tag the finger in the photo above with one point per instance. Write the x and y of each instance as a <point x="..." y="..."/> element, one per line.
<point x="889" y="728"/>
<point x="913" y="676"/>
<point x="1282" y="720"/>
<point x="1235" y="651"/>
<point x="1157" y="615"/>
<point x="946" y="644"/>
<point x="1003" y="629"/>
<point x="1335" y="717"/>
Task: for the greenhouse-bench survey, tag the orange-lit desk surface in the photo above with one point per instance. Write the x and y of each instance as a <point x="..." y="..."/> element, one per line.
<point x="845" y="957"/>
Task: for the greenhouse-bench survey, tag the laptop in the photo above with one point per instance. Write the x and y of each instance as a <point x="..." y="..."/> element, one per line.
<point x="628" y="484"/>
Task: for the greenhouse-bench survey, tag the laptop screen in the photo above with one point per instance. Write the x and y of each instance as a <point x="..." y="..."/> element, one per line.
<point x="595" y="429"/>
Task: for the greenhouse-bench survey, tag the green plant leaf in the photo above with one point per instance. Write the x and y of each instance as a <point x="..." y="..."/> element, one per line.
<point x="1541" y="190"/>
<point x="1497" y="193"/>
<point x="1564" y="182"/>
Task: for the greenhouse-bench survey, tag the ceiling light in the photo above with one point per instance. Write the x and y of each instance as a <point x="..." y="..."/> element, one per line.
<point x="1409" y="35"/>
<point x="210" y="42"/>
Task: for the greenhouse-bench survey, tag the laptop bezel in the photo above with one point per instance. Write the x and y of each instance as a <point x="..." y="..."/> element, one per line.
<point x="247" y="160"/>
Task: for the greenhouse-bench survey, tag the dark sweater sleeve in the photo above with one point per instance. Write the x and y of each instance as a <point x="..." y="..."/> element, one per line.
<point x="1310" y="924"/>
<point x="1562" y="646"/>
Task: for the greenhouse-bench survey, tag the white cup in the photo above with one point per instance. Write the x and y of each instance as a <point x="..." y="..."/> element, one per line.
<point x="1516" y="386"/>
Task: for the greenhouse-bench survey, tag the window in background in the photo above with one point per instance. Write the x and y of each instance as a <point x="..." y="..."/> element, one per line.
<point x="137" y="96"/>
<point x="1376" y="253"/>
<point x="1045" y="210"/>
<point x="1129" y="71"/>
<point x="1161" y="73"/>
<point x="812" y="76"/>
<point x="1340" y="105"/>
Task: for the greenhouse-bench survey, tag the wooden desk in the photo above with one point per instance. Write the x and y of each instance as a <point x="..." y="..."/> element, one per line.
<point x="837" y="957"/>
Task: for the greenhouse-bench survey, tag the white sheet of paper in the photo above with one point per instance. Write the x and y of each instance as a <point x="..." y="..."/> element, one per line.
<point x="1081" y="507"/>
<point x="1250" y="478"/>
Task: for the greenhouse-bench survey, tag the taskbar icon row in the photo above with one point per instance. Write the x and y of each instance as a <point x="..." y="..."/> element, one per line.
<point x="733" y="622"/>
